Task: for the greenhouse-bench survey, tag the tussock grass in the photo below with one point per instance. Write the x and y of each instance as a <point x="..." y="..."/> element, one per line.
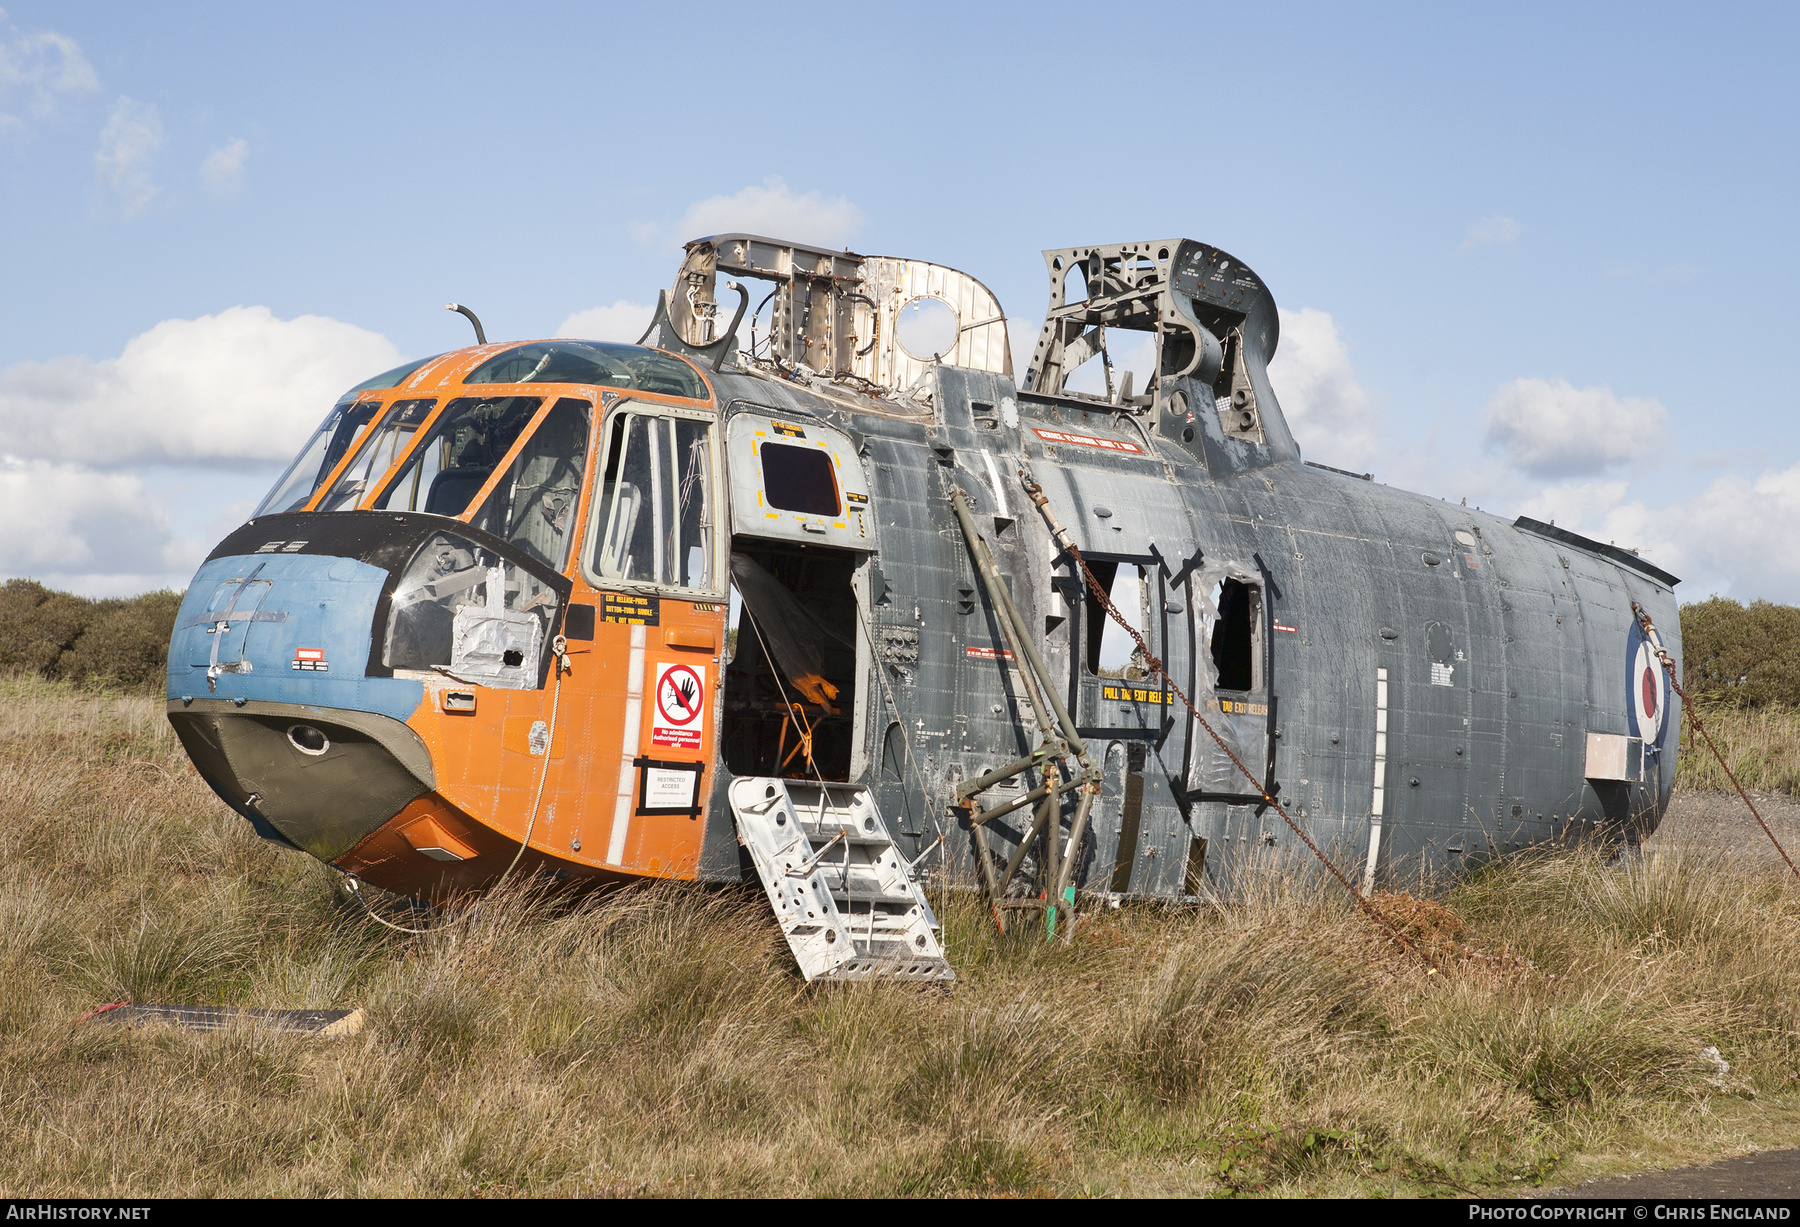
<point x="1762" y="745"/>
<point x="658" y="1041"/>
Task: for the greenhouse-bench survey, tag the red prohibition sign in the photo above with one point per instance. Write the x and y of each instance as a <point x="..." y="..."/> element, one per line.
<point x="680" y="695"/>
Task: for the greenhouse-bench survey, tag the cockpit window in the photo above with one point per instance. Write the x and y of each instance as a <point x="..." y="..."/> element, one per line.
<point x="471" y="436"/>
<point x="653" y="521"/>
<point x="376" y="454"/>
<point x="316" y="460"/>
<point x="388" y="379"/>
<point x="593" y="362"/>
<point x="533" y="506"/>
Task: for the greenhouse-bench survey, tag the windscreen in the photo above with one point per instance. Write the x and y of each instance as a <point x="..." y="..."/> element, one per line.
<point x="595" y="362"/>
<point x="533" y="505"/>
<point x="376" y="454"/>
<point x="316" y="460"/>
<point x="470" y="437"/>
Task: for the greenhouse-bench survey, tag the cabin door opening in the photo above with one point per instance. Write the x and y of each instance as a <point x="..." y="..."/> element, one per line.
<point x="791" y="682"/>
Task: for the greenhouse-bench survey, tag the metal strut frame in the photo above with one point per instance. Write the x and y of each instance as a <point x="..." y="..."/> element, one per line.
<point x="1062" y="744"/>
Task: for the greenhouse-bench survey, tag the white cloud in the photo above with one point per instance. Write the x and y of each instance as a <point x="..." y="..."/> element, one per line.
<point x="128" y="146"/>
<point x="223" y="169"/>
<point x="1549" y="429"/>
<point x="45" y="65"/>
<point x="1491" y="232"/>
<point x="623" y="321"/>
<point x="1022" y="333"/>
<point x="772" y="209"/>
<point x="1326" y="408"/>
<point x="1576" y="505"/>
<point x="1735" y="537"/>
<point x="77" y="521"/>
<point x="236" y="386"/>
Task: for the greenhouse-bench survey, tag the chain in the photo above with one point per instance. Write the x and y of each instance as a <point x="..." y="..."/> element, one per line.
<point x="1693" y="715"/>
<point x="1155" y="665"/>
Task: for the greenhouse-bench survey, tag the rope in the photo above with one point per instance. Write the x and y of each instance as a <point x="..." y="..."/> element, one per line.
<point x="1155" y="665"/>
<point x="788" y="704"/>
<point x="355" y="885"/>
<point x="560" y="646"/>
<point x="1693" y="715"/>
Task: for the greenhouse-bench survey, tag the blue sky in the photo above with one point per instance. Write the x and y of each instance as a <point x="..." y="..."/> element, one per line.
<point x="1538" y="257"/>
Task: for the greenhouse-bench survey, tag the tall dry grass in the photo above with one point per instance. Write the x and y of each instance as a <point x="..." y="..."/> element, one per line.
<point x="660" y="1042"/>
<point x="1761" y="744"/>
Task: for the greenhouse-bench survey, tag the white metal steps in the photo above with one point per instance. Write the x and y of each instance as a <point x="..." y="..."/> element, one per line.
<point x="844" y="896"/>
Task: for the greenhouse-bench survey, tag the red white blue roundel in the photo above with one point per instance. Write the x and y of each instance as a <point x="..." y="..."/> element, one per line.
<point x="1646" y="689"/>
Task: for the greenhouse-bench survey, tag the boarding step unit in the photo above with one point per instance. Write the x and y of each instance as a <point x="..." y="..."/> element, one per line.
<point x="843" y="894"/>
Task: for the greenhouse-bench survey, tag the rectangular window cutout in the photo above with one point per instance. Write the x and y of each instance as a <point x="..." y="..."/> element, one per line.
<point x="1236" y="634"/>
<point x="1107" y="647"/>
<point x="799" y="479"/>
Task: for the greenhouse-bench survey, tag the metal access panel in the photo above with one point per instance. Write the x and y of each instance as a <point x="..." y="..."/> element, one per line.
<point x="1614" y="757"/>
<point x="844" y="897"/>
<point x="796" y="479"/>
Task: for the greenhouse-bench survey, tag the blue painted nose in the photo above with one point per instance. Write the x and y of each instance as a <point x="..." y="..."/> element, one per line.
<point x="285" y="628"/>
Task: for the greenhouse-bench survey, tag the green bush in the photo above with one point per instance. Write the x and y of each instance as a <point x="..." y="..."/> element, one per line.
<point x="120" y="641"/>
<point x="1748" y="656"/>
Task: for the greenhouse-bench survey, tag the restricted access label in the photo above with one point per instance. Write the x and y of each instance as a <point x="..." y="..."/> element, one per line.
<point x="676" y="721"/>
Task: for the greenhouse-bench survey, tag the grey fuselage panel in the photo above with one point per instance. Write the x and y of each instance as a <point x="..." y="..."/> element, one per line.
<point x="1500" y="649"/>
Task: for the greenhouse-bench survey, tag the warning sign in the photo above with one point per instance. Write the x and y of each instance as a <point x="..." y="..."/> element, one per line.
<point x="680" y="698"/>
<point x="1063" y="436"/>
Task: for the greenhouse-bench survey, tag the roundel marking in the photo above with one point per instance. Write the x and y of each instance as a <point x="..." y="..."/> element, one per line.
<point x="1646" y="690"/>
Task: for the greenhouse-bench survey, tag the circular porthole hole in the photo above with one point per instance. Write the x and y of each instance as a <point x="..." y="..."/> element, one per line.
<point x="927" y="328"/>
<point x="307" y="739"/>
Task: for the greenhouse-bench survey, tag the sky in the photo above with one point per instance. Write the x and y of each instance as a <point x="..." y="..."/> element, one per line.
<point x="1535" y="257"/>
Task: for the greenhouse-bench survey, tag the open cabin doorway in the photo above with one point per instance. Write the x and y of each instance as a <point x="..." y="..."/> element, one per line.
<point x="790" y="685"/>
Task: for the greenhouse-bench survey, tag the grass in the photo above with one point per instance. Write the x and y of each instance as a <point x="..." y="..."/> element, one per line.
<point x="1762" y="745"/>
<point x="659" y="1041"/>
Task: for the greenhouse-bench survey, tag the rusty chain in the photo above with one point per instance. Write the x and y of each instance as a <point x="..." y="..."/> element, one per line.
<point x="1693" y="715"/>
<point x="1155" y="665"/>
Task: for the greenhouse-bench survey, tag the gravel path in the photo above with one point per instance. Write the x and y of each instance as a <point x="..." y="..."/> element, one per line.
<point x="1718" y="820"/>
<point x="1768" y="1173"/>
